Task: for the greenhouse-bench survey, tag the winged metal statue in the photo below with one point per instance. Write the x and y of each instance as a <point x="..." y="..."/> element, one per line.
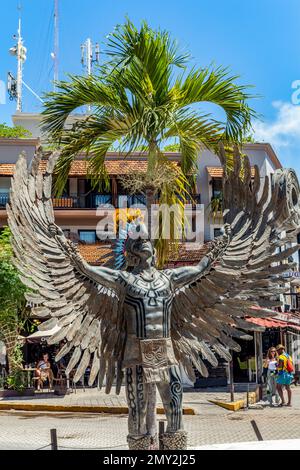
<point x="139" y="324"/>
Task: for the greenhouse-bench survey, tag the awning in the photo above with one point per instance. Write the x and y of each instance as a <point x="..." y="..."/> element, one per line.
<point x="273" y="323"/>
<point x="38" y="336"/>
<point x="268" y="322"/>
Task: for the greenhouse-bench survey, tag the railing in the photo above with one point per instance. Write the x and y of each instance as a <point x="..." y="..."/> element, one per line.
<point x="100" y="199"/>
<point x="131" y="200"/>
<point x="66" y="202"/>
<point x="92" y="201"/>
<point x="4" y="199"/>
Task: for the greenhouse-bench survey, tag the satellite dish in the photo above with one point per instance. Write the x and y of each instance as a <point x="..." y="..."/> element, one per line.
<point x="13" y="50"/>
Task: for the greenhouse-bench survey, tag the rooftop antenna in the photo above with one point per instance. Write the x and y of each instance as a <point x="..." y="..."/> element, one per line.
<point x="89" y="56"/>
<point x="54" y="54"/>
<point x="18" y="51"/>
<point x="15" y="86"/>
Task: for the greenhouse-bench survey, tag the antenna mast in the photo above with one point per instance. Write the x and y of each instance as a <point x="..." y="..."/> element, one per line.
<point x="15" y="86"/>
<point x="56" y="42"/>
<point x="19" y="51"/>
<point x="89" y="55"/>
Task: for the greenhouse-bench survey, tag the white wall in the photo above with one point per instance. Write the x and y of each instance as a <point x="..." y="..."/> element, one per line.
<point x="9" y="153"/>
<point x="206" y="158"/>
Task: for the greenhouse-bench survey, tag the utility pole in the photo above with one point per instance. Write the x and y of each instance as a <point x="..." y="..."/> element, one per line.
<point x="89" y="55"/>
<point x="19" y="51"/>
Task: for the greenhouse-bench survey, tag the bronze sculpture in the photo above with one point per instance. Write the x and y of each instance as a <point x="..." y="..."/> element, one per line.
<point x="139" y="323"/>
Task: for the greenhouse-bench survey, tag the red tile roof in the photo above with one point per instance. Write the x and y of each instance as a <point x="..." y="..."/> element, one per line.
<point x="79" y="167"/>
<point x="100" y="253"/>
<point x="217" y="171"/>
<point x="113" y="167"/>
<point x="97" y="254"/>
<point x="7" y="169"/>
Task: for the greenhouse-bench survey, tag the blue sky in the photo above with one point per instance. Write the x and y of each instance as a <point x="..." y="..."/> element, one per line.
<point x="257" y="39"/>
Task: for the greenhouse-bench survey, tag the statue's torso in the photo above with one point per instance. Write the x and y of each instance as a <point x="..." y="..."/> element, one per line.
<point x="147" y="304"/>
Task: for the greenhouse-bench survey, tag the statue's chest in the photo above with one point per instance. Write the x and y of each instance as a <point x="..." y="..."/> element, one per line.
<point x="156" y="289"/>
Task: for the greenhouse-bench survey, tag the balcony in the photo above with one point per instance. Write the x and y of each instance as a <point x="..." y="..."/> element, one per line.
<point x="92" y="201"/>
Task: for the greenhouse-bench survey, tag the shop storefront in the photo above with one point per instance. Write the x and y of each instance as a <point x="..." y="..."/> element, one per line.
<point x="247" y="365"/>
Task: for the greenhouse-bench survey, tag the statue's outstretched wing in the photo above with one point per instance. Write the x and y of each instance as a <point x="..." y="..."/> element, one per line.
<point x="244" y="275"/>
<point x="89" y="314"/>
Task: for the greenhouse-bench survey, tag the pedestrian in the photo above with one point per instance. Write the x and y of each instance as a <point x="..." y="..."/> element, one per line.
<point x="284" y="374"/>
<point x="270" y="364"/>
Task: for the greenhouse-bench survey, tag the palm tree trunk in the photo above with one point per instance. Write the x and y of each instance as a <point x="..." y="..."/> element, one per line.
<point x="150" y="200"/>
<point x="9" y="336"/>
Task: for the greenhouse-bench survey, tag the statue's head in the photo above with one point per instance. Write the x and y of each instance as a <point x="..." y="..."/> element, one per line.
<point x="138" y="246"/>
<point x="135" y="248"/>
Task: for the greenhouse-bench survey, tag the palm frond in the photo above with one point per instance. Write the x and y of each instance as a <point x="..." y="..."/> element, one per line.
<point x="219" y="87"/>
<point x="79" y="91"/>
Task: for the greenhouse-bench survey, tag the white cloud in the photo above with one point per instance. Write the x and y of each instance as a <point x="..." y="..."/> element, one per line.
<point x="284" y="130"/>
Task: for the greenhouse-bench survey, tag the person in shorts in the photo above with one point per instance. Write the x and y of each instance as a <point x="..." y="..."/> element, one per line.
<point x="284" y="374"/>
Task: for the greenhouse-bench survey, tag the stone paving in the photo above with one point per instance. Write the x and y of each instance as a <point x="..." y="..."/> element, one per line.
<point x="213" y="425"/>
<point x="93" y="397"/>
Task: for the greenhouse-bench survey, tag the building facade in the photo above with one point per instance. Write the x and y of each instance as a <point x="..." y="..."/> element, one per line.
<point x="76" y="212"/>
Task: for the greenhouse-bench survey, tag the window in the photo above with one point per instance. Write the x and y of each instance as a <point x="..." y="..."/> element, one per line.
<point x="4" y="191"/>
<point x="87" y="236"/>
<point x="217" y="232"/>
<point x="217" y="188"/>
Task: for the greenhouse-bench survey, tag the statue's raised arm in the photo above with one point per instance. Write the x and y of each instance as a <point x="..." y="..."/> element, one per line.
<point x="187" y="274"/>
<point x="101" y="274"/>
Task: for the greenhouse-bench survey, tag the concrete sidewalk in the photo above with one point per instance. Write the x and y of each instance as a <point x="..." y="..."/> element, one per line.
<point x="95" y="401"/>
<point x="212" y="425"/>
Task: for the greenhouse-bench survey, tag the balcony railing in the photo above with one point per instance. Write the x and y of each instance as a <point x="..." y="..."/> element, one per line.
<point x="92" y="201"/>
<point x="4" y="199"/>
<point x="67" y="202"/>
<point x="131" y="200"/>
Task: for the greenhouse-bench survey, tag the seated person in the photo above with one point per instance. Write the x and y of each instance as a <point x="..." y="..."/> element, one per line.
<point x="44" y="372"/>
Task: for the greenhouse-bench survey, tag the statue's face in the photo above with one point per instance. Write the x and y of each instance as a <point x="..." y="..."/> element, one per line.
<point x="142" y="248"/>
<point x="138" y="247"/>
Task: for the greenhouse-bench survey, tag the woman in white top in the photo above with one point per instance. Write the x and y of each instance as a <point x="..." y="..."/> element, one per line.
<point x="270" y="364"/>
<point x="44" y="372"/>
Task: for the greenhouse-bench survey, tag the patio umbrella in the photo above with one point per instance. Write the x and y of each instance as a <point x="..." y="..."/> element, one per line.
<point x="39" y="336"/>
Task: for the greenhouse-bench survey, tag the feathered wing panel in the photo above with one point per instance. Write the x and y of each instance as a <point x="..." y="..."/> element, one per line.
<point x="244" y="276"/>
<point x="89" y="315"/>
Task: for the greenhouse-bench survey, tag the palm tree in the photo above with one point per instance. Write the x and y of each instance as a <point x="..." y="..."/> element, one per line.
<point x="145" y="96"/>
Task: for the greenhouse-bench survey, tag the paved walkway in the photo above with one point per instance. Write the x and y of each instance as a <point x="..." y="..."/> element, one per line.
<point x="27" y="430"/>
<point x="213" y="425"/>
<point x="91" y="397"/>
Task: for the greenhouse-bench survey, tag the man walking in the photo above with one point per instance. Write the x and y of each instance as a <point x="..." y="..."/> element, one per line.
<point x="285" y="374"/>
